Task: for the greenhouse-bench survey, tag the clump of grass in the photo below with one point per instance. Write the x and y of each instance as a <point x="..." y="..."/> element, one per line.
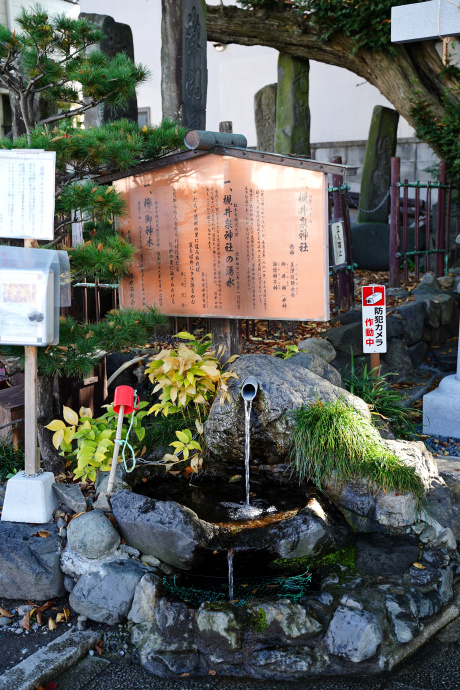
<point x="11" y="460"/>
<point x="383" y="401"/>
<point x="333" y="436"/>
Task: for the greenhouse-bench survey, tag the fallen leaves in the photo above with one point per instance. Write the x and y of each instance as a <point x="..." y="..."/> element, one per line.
<point x="419" y="566"/>
<point x="42" y="533"/>
<point x="5" y="613"/>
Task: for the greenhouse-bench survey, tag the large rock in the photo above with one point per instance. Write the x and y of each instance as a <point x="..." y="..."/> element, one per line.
<point x="353" y="634"/>
<point x="392" y="512"/>
<point x="286" y="621"/>
<point x="217" y="631"/>
<point x="347" y="339"/>
<point x="106" y="595"/>
<point x="145" y="599"/>
<point x="318" y="366"/>
<point x="282" y="387"/>
<point x="29" y="565"/>
<point x="320" y="347"/>
<point x="92" y="535"/>
<point x="305" y="534"/>
<point x="75" y="565"/>
<point x="164" y="529"/>
<point x="397" y="358"/>
<point x="412" y="316"/>
<point x="162" y="657"/>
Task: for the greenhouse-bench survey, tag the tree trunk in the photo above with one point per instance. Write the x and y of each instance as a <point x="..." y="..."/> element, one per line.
<point x="51" y="460"/>
<point x="411" y="67"/>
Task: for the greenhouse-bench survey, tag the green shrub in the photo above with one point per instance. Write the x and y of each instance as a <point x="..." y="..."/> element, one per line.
<point x="11" y="460"/>
<point x="383" y="401"/>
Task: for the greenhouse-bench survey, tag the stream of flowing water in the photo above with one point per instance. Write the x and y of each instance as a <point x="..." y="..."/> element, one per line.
<point x="247" y="429"/>
<point x="230" y="574"/>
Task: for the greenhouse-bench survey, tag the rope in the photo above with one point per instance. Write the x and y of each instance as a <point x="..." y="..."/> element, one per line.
<point x="123" y="442"/>
<point x="363" y="210"/>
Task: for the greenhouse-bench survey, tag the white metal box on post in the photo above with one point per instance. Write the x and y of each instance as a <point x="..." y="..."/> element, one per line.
<point x="30" y="300"/>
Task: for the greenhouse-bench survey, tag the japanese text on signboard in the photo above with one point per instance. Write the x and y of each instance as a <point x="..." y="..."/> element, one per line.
<point x="224" y="237"/>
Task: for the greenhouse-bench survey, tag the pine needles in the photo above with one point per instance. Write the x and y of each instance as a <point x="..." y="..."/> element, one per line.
<point x="332" y="436"/>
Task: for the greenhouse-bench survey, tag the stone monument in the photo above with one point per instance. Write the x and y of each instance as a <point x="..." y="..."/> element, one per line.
<point x="265" y="117"/>
<point x="371" y="234"/>
<point x="184" y="76"/>
<point x="292" y="108"/>
<point x="118" y="38"/>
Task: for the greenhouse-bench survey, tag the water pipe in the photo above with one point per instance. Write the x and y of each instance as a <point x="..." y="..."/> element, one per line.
<point x="249" y="388"/>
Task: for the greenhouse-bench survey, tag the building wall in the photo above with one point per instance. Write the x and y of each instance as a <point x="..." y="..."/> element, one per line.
<point x="54" y="6"/>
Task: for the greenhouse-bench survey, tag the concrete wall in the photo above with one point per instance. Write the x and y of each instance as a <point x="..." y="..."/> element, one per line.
<point x="415" y="156"/>
<point x="54" y="6"/>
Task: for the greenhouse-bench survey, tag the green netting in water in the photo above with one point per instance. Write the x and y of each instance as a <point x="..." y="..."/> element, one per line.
<point x="292" y="588"/>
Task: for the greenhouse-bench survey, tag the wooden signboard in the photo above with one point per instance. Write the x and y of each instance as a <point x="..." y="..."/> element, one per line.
<point x="222" y="237"/>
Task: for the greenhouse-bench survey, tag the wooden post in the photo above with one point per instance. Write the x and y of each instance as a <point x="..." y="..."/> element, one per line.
<point x="227" y="332"/>
<point x="375" y="362"/>
<point x="32" y="456"/>
<point x="116" y="450"/>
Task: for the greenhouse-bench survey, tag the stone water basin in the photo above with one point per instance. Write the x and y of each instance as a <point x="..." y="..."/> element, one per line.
<point x="288" y="525"/>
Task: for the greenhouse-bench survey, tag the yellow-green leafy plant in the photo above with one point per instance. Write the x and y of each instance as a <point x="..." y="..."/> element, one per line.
<point x="185" y="375"/>
<point x="188" y="375"/>
<point x="289" y="351"/>
<point x="89" y="442"/>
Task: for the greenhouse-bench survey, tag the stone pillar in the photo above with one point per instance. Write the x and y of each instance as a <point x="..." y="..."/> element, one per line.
<point x="118" y="38"/>
<point x="265" y="117"/>
<point x="184" y="75"/>
<point x="376" y="177"/>
<point x="292" y="109"/>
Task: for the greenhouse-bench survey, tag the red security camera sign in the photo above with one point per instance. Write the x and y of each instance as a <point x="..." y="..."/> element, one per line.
<point x="374" y="319"/>
<point x="374" y="295"/>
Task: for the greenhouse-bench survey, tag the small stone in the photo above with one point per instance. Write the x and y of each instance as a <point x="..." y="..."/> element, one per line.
<point x="130" y="550"/>
<point x="103" y="502"/>
<point x="353" y="634"/>
<point x="91" y="652"/>
<point x="121" y="652"/>
<point x="81" y="622"/>
<point x="18" y="631"/>
<point x="23" y="609"/>
<point x="69" y="583"/>
<point x="150" y="560"/>
<point x="351" y="603"/>
<point x="71" y="496"/>
<point x="92" y="535"/>
<point x="5" y="622"/>
<point x="331" y="580"/>
<point x="326" y="598"/>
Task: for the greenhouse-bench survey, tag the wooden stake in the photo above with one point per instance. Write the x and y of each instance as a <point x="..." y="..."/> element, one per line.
<point x="32" y="462"/>
<point x="116" y="450"/>
<point x="375" y="362"/>
<point x="32" y="457"/>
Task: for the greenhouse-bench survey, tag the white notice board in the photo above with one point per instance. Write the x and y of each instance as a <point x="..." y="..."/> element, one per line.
<point x="27" y="188"/>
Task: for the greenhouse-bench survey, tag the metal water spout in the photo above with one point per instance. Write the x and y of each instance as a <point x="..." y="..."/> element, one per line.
<point x="249" y="388"/>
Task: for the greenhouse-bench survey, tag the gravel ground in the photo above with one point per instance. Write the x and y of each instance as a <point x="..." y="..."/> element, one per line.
<point x="434" y="667"/>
